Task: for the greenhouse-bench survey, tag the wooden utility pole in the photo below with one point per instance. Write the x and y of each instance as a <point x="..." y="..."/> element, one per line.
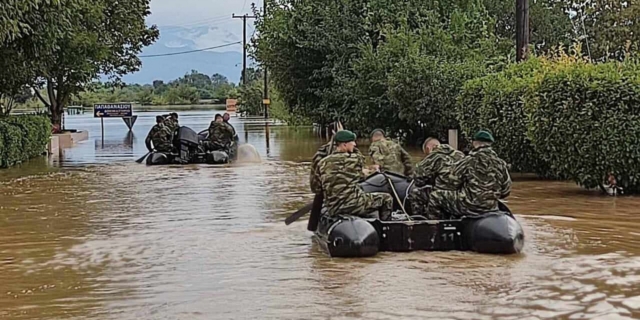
<point x="244" y="44"/>
<point x="265" y="98"/>
<point x="522" y="29"/>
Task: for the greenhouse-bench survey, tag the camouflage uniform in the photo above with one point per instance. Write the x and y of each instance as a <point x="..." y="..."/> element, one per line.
<point x="220" y="136"/>
<point x="340" y="175"/>
<point x="160" y="135"/>
<point x="434" y="170"/>
<point x="390" y="156"/>
<point x="314" y="175"/>
<point x="480" y="179"/>
<point x="172" y="124"/>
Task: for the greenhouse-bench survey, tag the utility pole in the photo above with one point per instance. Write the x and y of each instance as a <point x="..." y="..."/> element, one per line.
<point x="244" y="44"/>
<point x="265" y="99"/>
<point x="522" y="29"/>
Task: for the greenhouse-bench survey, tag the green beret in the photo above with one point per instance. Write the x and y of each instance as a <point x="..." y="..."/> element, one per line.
<point x="345" y="136"/>
<point x="377" y="130"/>
<point x="483" y="135"/>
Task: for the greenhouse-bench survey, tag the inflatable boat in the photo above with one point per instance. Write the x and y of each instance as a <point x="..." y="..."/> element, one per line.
<point x="188" y="149"/>
<point x="347" y="236"/>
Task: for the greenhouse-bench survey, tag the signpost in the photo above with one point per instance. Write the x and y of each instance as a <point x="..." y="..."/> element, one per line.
<point x="114" y="110"/>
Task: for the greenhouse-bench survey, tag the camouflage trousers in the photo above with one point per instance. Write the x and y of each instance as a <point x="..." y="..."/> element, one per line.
<point x="419" y="199"/>
<point x="163" y="146"/>
<point x="454" y="204"/>
<point x="366" y="205"/>
<point x="445" y="204"/>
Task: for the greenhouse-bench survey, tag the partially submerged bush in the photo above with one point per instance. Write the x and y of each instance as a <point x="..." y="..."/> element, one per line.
<point x="22" y="138"/>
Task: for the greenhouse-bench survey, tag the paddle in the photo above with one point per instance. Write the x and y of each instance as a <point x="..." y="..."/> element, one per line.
<point x="298" y="214"/>
<point x="143" y="157"/>
<point x="314" y="218"/>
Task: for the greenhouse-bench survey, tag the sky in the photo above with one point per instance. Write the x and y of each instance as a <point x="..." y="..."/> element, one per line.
<point x="215" y="14"/>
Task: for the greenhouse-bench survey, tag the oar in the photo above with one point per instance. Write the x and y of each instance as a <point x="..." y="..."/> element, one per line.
<point x="298" y="214"/>
<point x="142" y="159"/>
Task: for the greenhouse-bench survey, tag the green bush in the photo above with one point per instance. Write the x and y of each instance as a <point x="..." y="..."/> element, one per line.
<point x="22" y="138"/>
<point x="586" y="123"/>
<point x="497" y="103"/>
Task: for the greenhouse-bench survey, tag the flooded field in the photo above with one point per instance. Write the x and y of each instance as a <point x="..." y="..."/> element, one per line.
<point x="96" y="235"/>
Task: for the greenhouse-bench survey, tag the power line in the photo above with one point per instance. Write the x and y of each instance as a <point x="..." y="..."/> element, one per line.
<point x="190" y="51"/>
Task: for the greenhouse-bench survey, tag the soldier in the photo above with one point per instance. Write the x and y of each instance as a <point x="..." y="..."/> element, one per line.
<point x="480" y="180"/>
<point x="433" y="170"/>
<point x="388" y="155"/>
<point x="340" y="174"/>
<point x="220" y="135"/>
<point x="173" y="117"/>
<point x="225" y="118"/>
<point x="160" y="136"/>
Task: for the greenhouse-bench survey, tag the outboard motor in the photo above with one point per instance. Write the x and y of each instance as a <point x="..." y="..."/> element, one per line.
<point x="187" y="143"/>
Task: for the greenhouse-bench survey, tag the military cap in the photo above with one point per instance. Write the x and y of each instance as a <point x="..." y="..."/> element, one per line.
<point x="345" y="136"/>
<point x="483" y="135"/>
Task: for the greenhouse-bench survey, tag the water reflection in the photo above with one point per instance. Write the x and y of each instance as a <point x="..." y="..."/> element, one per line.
<point x="99" y="236"/>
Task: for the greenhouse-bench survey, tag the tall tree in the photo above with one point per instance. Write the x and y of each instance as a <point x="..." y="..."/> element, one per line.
<point x="103" y="37"/>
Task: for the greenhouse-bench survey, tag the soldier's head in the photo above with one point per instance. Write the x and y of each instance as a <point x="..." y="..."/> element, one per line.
<point x="346" y="140"/>
<point x="482" y="138"/>
<point x="218" y="118"/>
<point x="159" y="119"/>
<point x="226" y="117"/>
<point x="377" y="135"/>
<point x="429" y="145"/>
<point x="173" y="115"/>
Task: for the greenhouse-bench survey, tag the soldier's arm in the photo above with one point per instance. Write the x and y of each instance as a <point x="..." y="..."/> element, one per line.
<point x="425" y="170"/>
<point x="406" y="161"/>
<point x="147" y="141"/>
<point x="314" y="174"/>
<point x="376" y="155"/>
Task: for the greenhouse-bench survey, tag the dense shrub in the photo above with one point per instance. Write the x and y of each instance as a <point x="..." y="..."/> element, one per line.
<point x="497" y="103"/>
<point x="586" y="122"/>
<point x="22" y="138"/>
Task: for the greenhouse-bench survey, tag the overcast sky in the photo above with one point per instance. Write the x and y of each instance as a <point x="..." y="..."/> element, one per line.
<point x="198" y="12"/>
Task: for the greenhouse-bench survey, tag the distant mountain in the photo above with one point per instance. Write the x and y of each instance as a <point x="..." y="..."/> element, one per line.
<point x="226" y="61"/>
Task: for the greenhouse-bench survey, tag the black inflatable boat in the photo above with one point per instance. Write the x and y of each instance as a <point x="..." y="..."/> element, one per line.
<point x="496" y="232"/>
<point x="188" y="149"/>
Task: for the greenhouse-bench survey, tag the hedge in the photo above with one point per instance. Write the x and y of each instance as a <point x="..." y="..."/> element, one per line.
<point x="586" y="123"/>
<point x="23" y="137"/>
<point x="497" y="103"/>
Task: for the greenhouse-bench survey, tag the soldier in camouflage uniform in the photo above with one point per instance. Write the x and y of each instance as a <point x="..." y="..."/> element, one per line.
<point x="172" y="122"/>
<point x="340" y="175"/>
<point x="388" y="155"/>
<point x="433" y="170"/>
<point x="160" y="136"/>
<point x="480" y="179"/>
<point x="220" y="135"/>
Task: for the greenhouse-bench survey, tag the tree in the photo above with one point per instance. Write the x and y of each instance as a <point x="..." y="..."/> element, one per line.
<point x="8" y="101"/>
<point x="218" y="80"/>
<point x="103" y="36"/>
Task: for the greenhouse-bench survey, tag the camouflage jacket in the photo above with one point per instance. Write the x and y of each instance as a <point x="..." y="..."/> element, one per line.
<point x="390" y="156"/>
<point x="340" y="174"/>
<point x="483" y="179"/>
<point x="314" y="174"/>
<point x="160" y="136"/>
<point x="172" y="124"/>
<point x="220" y="133"/>
<point x="435" y="168"/>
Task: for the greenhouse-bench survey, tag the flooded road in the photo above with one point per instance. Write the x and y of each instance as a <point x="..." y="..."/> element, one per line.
<point x="95" y="235"/>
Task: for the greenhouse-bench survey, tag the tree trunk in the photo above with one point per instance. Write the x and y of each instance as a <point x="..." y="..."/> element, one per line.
<point x="55" y="107"/>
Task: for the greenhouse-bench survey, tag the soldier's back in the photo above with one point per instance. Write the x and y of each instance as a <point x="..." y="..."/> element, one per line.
<point x="387" y="154"/>
<point x="486" y="179"/>
<point x="437" y="166"/>
<point x="340" y="174"/>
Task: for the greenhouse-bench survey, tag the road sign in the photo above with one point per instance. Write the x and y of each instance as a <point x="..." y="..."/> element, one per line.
<point x="266" y="101"/>
<point x="112" y="110"/>
<point x="129" y="121"/>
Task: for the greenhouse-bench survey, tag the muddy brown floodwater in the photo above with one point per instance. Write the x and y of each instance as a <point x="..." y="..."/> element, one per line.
<point x="95" y="235"/>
